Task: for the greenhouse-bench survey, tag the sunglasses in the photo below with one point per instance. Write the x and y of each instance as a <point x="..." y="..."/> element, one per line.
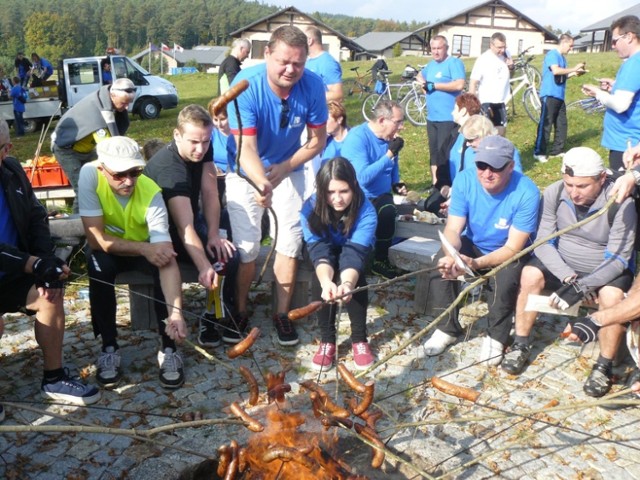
<point x="127" y="90"/>
<point x="120" y="176"/>
<point x="614" y="40"/>
<point x="484" y="166"/>
<point x="284" y="113"/>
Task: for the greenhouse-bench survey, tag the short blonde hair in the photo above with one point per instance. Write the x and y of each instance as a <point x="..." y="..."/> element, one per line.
<point x="478" y="126"/>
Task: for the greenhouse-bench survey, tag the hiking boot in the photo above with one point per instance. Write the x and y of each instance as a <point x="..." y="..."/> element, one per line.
<point x="234" y="332"/>
<point x="208" y="335"/>
<point x="362" y="356"/>
<point x="69" y="390"/>
<point x="109" y="372"/>
<point x="324" y="357"/>
<point x="599" y="381"/>
<point x="516" y="359"/>
<point x="171" y="368"/>
<point x="384" y="269"/>
<point x="287" y="334"/>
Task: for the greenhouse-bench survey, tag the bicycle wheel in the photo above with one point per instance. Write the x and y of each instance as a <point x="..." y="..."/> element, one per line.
<point x="416" y="110"/>
<point x="370" y="102"/>
<point x="587" y="105"/>
<point x="532" y="104"/>
<point x="349" y="87"/>
<point x="534" y="75"/>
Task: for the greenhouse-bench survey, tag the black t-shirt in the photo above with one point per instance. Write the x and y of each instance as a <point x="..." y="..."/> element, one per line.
<point x="230" y="67"/>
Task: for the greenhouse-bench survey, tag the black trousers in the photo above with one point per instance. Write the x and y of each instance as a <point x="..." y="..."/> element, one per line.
<point x="356" y="308"/>
<point x="501" y="298"/>
<point x="103" y="269"/>
<point x="386" y="229"/>
<point x="553" y="115"/>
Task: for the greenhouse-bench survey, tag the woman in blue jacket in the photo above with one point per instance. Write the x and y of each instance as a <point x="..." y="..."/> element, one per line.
<point x="339" y="225"/>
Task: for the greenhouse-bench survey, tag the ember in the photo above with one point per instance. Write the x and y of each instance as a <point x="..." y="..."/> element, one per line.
<point x="293" y="444"/>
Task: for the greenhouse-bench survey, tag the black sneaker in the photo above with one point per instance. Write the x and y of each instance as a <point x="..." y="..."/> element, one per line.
<point x="235" y="328"/>
<point x="171" y="368"/>
<point x="108" y="366"/>
<point x="384" y="269"/>
<point x="208" y="335"/>
<point x="599" y="381"/>
<point x="516" y="358"/>
<point x="287" y="334"/>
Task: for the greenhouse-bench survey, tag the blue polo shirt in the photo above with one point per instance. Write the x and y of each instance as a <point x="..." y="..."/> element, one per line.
<point x="553" y="85"/>
<point x="440" y="104"/>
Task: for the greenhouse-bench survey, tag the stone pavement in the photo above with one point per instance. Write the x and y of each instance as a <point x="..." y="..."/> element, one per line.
<point x="588" y="443"/>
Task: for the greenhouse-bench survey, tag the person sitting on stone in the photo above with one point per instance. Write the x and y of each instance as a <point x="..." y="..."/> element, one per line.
<point x="492" y="216"/>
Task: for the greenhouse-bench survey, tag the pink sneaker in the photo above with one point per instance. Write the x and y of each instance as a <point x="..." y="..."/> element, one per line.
<point x="324" y="357"/>
<point x="362" y="355"/>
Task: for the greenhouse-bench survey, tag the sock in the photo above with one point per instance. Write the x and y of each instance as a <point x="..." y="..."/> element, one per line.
<point x="52" y="376"/>
<point x="113" y="344"/>
<point x="524" y="340"/>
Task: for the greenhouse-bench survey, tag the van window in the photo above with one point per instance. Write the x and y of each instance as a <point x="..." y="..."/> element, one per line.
<point x="83" y="73"/>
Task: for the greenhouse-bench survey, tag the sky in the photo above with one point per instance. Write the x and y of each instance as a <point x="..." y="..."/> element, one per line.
<point x="565" y="15"/>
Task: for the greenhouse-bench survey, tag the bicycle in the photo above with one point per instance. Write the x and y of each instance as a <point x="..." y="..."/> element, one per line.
<point x="524" y="64"/>
<point x="372" y="100"/>
<point x="357" y="86"/>
<point x="530" y="98"/>
<point x="409" y="74"/>
<point x="415" y="105"/>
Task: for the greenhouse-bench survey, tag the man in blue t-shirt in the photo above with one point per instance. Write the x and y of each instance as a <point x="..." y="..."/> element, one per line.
<point x="323" y="64"/>
<point x="554" y="113"/>
<point x="443" y="80"/>
<point x="492" y="216"/>
<point x="283" y="98"/>
<point x="621" y="96"/>
<point x="17" y="94"/>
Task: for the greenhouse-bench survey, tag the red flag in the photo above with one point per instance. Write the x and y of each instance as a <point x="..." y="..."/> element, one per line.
<point x="165" y="48"/>
<point x="178" y="48"/>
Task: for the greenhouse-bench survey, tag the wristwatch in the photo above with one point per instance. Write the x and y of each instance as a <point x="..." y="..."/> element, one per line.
<point x="636" y="176"/>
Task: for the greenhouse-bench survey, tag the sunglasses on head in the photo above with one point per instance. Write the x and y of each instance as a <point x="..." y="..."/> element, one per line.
<point x="120" y="176"/>
<point x="483" y="166"/>
<point x="127" y="90"/>
<point x="284" y="113"/>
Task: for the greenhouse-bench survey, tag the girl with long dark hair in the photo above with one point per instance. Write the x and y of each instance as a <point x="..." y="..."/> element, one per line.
<point x="339" y="225"/>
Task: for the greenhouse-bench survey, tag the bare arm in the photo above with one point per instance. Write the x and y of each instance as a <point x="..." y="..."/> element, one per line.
<point x="334" y="92"/>
<point x="171" y="284"/>
<point x="251" y="163"/>
<point x="216" y="245"/>
<point x="473" y="86"/>
<point x="453" y="86"/>
<point x="516" y="241"/>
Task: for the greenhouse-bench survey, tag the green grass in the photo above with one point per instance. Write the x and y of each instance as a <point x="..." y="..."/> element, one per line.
<point x="584" y="130"/>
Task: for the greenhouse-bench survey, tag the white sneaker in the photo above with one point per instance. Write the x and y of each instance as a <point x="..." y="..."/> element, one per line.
<point x="171" y="368"/>
<point x="541" y="158"/>
<point x="491" y="352"/>
<point x="438" y="343"/>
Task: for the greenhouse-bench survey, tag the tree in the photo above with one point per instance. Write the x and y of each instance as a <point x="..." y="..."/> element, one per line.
<point x="51" y="35"/>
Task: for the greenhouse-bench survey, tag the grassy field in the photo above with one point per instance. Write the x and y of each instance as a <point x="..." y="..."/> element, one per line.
<point x="584" y="130"/>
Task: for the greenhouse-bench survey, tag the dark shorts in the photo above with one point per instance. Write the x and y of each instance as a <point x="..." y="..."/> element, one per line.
<point x="439" y="135"/>
<point x="13" y="293"/>
<point x="551" y="282"/>
<point x="496" y="112"/>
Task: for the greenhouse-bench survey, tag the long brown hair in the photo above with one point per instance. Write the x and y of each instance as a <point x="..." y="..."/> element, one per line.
<point x="323" y="215"/>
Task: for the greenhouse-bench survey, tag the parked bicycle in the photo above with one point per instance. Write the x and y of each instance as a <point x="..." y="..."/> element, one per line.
<point x="590" y="105"/>
<point x="415" y="105"/>
<point x="357" y="86"/>
<point x="522" y="64"/>
<point x="406" y="87"/>
<point x="372" y="100"/>
<point x="530" y="98"/>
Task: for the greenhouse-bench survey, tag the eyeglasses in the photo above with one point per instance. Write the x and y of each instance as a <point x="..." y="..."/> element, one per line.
<point x="614" y="40"/>
<point x="484" y="166"/>
<point x="120" y="176"/>
<point x="127" y="90"/>
<point x="397" y="122"/>
<point x="284" y="113"/>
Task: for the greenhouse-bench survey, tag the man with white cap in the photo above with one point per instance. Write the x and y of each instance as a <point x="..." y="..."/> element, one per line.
<point x="492" y="216"/>
<point x="595" y="259"/>
<point x="127" y="228"/>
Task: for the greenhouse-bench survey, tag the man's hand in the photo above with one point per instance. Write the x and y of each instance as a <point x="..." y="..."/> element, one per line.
<point x="219" y="247"/>
<point x="631" y="156"/>
<point x="159" y="254"/>
<point x="176" y="329"/>
<point x="51" y="291"/>
<point x="590" y="90"/>
<point x="344" y="288"/>
<point x="448" y="268"/>
<point x="50" y="269"/>
<point x="276" y="173"/>
<point x="582" y="329"/>
<point x="396" y="145"/>
<point x="208" y="278"/>
<point x="429" y="87"/>
<point x="400" y="188"/>
<point x="623" y="187"/>
<point x="566" y="296"/>
<point x="263" y="197"/>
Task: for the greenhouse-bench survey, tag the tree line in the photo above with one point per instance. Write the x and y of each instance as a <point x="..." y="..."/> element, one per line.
<point x="63" y="28"/>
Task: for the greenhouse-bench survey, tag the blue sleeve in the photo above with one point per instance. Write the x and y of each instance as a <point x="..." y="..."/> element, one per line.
<point x="318" y="111"/>
<point x="459" y="206"/>
<point x="357" y="150"/>
<point x="628" y="77"/>
<point x="364" y="231"/>
<point x="517" y="161"/>
<point x="457" y="70"/>
<point x="395" y="172"/>
<point x="333" y="73"/>
<point x="526" y="216"/>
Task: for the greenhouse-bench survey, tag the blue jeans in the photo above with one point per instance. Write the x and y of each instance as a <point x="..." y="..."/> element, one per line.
<point x="18" y="123"/>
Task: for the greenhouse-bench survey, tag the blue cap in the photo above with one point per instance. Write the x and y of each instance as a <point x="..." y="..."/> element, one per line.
<point x="495" y="151"/>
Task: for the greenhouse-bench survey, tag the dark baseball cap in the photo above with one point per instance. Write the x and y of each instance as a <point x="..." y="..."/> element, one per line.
<point x="495" y="151"/>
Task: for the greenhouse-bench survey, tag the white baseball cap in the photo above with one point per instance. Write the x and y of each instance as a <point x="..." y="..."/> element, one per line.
<point x="582" y="162"/>
<point x="120" y="154"/>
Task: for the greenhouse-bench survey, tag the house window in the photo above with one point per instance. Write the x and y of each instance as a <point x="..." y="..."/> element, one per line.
<point x="257" y="49"/>
<point x="520" y="45"/>
<point x="486" y="43"/>
<point x="461" y="45"/>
